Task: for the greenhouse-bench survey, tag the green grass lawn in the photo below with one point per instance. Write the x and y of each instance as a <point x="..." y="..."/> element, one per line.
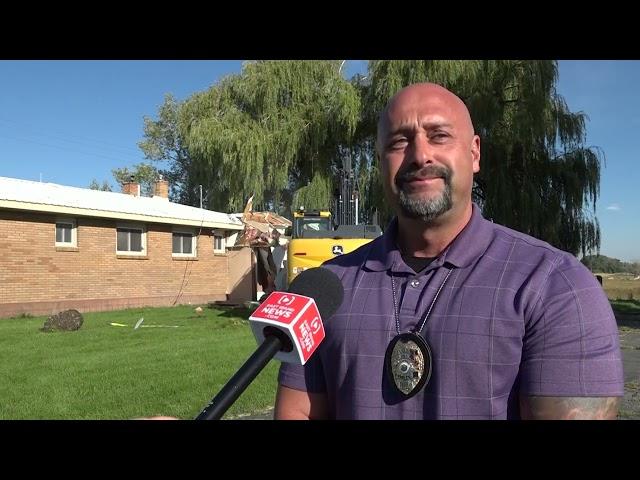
<point x="626" y="306"/>
<point x="110" y="372"/>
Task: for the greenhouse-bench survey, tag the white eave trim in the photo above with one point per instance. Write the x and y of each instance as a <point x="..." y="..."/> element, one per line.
<point x="86" y="212"/>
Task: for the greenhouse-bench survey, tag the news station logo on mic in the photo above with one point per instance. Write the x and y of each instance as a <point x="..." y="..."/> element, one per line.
<point x="295" y="315"/>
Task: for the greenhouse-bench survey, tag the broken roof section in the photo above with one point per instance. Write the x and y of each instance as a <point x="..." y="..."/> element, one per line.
<point x="259" y="226"/>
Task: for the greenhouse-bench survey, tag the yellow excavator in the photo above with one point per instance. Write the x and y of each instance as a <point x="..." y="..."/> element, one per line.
<point x="318" y="235"/>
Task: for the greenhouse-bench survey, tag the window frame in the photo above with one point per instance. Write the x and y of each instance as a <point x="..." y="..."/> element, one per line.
<point x="194" y="243"/>
<point x="222" y="235"/>
<point x="74" y="232"/>
<point x="143" y="240"/>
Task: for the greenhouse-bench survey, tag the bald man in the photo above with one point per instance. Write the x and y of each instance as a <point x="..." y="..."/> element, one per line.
<point x="447" y="315"/>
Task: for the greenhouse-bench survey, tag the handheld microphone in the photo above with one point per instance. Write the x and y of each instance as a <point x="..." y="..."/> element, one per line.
<point x="288" y="325"/>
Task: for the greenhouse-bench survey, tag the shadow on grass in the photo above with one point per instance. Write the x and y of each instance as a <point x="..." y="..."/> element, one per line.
<point x="627" y="313"/>
<point x="628" y="320"/>
<point x="626" y="306"/>
<point x="21" y="316"/>
<point x="233" y="312"/>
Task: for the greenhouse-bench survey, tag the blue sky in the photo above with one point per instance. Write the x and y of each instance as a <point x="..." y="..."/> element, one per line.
<point x="607" y="91"/>
<point x="69" y="122"/>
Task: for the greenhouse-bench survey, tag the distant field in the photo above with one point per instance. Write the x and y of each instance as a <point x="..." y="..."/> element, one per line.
<point x="621" y="286"/>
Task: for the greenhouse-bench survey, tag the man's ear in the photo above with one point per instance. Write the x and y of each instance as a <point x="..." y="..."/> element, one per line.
<point x="475" y="153"/>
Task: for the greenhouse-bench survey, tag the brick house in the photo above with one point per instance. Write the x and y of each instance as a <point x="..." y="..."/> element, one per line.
<point x="66" y="247"/>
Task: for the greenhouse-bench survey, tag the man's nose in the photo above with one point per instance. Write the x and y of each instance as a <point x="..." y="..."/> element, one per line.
<point x="422" y="151"/>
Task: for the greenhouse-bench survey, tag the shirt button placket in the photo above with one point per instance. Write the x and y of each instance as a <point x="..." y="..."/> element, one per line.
<point x="410" y="301"/>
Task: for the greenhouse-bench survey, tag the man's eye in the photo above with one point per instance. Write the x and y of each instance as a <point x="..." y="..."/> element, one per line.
<point x="439" y="136"/>
<point x="398" y="143"/>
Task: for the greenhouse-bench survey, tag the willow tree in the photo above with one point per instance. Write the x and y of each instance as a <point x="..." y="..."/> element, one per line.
<point x="277" y="131"/>
<point x="536" y="173"/>
<point x="164" y="143"/>
<point x="143" y="173"/>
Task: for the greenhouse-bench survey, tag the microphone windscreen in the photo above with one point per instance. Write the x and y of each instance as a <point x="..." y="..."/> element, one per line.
<point x="323" y="286"/>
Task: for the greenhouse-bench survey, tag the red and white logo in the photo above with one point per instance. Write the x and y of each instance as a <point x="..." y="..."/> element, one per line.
<point x="309" y="331"/>
<point x="286" y="300"/>
<point x="295" y="315"/>
<point x="281" y="307"/>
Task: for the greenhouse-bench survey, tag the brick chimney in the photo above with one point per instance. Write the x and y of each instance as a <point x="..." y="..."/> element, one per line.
<point x="161" y="188"/>
<point x="131" y="187"/>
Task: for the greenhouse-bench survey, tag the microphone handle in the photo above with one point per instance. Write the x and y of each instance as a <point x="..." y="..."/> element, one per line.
<point x="241" y="380"/>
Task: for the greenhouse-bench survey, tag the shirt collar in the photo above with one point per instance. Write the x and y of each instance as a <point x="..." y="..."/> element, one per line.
<point x="465" y="249"/>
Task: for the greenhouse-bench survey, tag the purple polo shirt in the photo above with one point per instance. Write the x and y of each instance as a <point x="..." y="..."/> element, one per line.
<point x="516" y="316"/>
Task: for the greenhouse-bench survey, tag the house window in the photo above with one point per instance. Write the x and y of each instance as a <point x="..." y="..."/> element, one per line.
<point x="130" y="240"/>
<point x="184" y="244"/>
<point x="66" y="233"/>
<point x="218" y="243"/>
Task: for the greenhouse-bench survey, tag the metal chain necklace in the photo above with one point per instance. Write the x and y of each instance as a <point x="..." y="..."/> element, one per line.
<point x="408" y="359"/>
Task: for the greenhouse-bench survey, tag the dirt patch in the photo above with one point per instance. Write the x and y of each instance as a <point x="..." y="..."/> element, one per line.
<point x="629" y="330"/>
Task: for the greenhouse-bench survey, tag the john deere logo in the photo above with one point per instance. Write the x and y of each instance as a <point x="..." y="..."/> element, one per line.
<point x="337" y="250"/>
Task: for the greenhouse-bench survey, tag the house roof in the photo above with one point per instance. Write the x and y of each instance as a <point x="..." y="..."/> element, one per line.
<point x="28" y="195"/>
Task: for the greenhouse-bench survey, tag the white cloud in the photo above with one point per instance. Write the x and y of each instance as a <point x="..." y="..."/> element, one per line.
<point x="614" y="206"/>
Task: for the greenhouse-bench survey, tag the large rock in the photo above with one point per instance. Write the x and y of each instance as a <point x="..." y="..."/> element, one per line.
<point x="68" y="320"/>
